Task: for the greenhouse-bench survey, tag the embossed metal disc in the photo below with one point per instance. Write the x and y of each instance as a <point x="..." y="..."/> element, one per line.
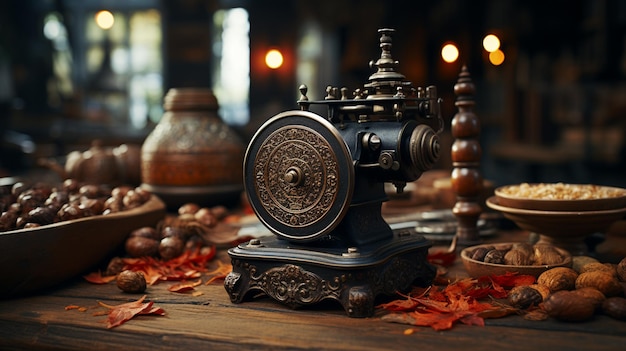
<point x="299" y="175"/>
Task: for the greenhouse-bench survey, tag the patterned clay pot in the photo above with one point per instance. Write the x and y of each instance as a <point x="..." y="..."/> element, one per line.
<point x="191" y="155"/>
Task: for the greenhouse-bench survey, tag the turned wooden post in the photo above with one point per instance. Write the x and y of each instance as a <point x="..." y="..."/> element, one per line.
<point x="467" y="181"/>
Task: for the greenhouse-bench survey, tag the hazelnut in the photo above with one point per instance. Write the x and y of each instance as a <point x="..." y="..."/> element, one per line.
<point x="115" y="266"/>
<point x="171" y="247"/>
<point x="190" y="208"/>
<point x="146" y="232"/>
<point x="140" y="246"/>
<point x="131" y="282"/>
<point x="206" y="217"/>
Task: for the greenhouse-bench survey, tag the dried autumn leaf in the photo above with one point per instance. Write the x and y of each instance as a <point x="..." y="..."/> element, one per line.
<point x="440" y="308"/>
<point x="185" y="286"/>
<point x="119" y="314"/>
<point x="98" y="278"/>
<point x="220" y="272"/>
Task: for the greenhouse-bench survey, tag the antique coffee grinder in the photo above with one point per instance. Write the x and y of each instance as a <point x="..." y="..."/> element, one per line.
<point x="318" y="184"/>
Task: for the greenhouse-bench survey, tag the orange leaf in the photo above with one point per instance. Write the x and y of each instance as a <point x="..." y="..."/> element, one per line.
<point x="119" y="314"/>
<point x="182" y="287"/>
<point x="220" y="272"/>
<point x="98" y="278"/>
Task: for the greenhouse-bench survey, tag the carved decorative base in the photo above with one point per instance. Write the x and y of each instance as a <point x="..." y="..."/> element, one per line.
<point x="305" y="275"/>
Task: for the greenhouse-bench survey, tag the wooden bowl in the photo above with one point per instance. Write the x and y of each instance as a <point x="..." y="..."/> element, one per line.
<point x="544" y="204"/>
<point x="565" y="229"/>
<point x="478" y="269"/>
<point x="39" y="258"/>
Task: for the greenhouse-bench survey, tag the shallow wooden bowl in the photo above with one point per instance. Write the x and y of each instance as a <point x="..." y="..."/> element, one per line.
<point x="565" y="229"/>
<point x="597" y="204"/>
<point x="478" y="269"/>
<point x="39" y="258"/>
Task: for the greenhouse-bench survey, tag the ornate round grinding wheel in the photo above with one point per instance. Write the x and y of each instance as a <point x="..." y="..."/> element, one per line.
<point x="299" y="175"/>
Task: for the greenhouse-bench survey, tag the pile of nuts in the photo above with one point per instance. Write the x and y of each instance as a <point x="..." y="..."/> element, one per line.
<point x="25" y="206"/>
<point x="169" y="239"/>
<point x="173" y="235"/>
<point x="577" y="293"/>
<point x="518" y="254"/>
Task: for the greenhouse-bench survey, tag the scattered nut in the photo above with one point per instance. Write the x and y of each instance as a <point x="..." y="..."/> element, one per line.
<point x="602" y="281"/>
<point x="524" y="296"/>
<point x="620" y="269"/>
<point x="558" y="278"/>
<point x="579" y="261"/>
<point x="592" y="294"/>
<point x="140" y="246"/>
<point x="131" y="282"/>
<point x="615" y="307"/>
<point x="568" y="306"/>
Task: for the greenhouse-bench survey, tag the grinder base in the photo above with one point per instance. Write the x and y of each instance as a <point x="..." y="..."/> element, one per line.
<point x="300" y="275"/>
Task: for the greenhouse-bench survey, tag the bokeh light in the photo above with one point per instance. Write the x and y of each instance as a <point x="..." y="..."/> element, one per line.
<point x="104" y="19"/>
<point x="496" y="57"/>
<point x="491" y="43"/>
<point x="274" y="59"/>
<point x="449" y="53"/>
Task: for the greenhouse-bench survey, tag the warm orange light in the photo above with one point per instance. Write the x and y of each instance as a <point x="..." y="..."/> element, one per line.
<point x="491" y="43"/>
<point x="104" y="19"/>
<point x="496" y="58"/>
<point x="274" y="59"/>
<point x="449" y="53"/>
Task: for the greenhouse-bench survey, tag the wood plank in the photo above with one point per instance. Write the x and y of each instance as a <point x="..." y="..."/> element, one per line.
<point x="42" y="321"/>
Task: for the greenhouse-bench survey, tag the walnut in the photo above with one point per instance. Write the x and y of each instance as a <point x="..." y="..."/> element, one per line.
<point x="602" y="281"/>
<point x="131" y="282"/>
<point x="558" y="278"/>
<point x="567" y="306"/>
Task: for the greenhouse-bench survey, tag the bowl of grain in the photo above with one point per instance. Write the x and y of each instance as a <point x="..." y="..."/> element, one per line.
<point x="561" y="197"/>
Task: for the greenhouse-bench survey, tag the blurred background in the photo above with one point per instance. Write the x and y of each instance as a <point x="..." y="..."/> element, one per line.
<point x="551" y="78"/>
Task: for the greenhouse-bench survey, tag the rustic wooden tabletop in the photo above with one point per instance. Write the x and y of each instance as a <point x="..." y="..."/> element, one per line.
<point x="208" y="320"/>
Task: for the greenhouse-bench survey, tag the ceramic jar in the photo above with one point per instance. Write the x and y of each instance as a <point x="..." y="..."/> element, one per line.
<point x="192" y="155"/>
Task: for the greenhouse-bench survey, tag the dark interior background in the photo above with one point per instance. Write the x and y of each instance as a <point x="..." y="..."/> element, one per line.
<point x="553" y="111"/>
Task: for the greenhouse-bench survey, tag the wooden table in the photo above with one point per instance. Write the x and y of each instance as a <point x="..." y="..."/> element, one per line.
<point x="211" y="322"/>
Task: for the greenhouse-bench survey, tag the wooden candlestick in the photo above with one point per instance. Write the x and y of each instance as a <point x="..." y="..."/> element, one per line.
<point x="467" y="181"/>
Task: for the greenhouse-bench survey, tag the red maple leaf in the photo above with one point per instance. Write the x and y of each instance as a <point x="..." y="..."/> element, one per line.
<point x="119" y="314"/>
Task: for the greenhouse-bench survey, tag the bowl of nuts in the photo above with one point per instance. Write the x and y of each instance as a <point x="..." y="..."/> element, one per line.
<point x="518" y="257"/>
<point x="561" y="197"/>
<point x="564" y="229"/>
<point x="50" y="234"/>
